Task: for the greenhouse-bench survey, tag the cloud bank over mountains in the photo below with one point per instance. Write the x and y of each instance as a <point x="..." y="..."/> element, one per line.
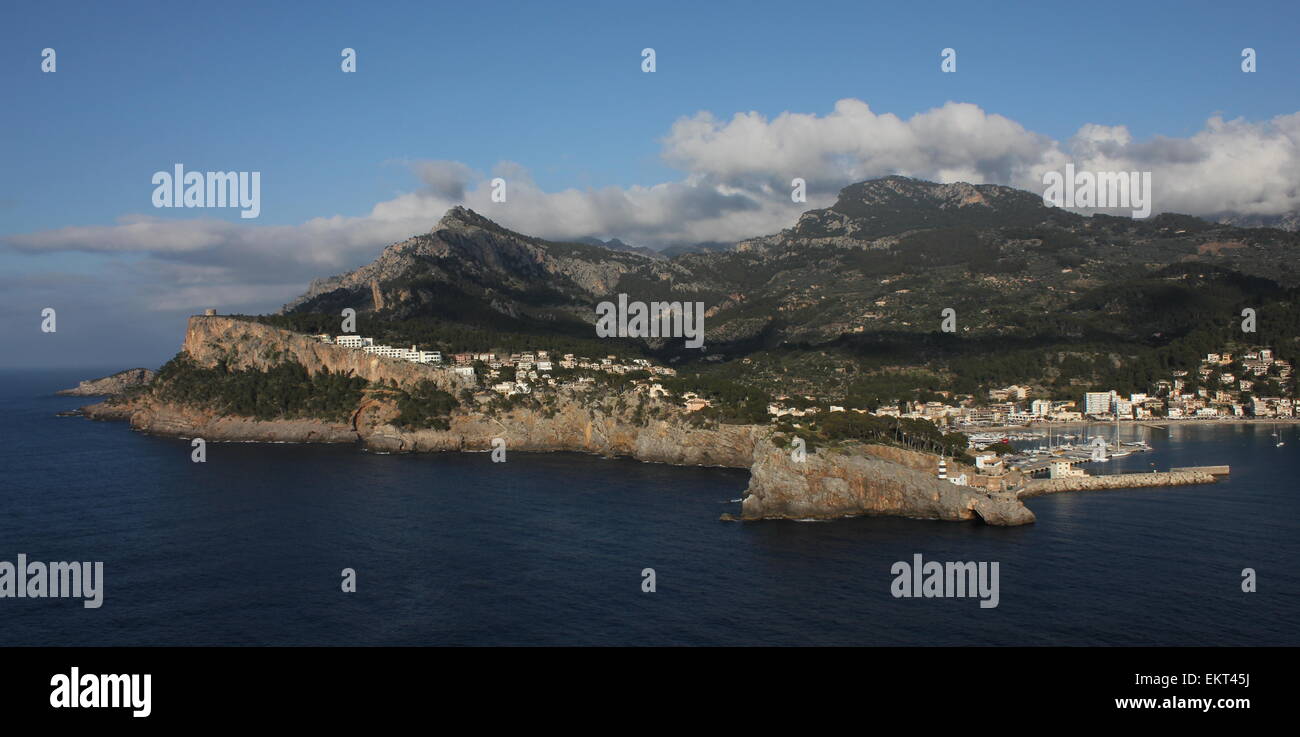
<point x="735" y="183"/>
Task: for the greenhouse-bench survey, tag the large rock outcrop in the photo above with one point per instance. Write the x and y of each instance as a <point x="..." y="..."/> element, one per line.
<point x="244" y="344"/>
<point x="857" y="480"/>
<point x="162" y="418"/>
<point x="110" y="385"/>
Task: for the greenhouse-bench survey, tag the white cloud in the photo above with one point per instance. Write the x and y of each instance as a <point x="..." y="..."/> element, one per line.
<point x="853" y="143"/>
<point x="1228" y="166"/>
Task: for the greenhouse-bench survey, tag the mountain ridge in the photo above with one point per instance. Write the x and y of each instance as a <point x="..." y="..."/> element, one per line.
<point x="888" y="255"/>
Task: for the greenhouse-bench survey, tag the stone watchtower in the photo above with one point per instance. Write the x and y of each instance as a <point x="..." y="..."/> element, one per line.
<point x="211" y="311"/>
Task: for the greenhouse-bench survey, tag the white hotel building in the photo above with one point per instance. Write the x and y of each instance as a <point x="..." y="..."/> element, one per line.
<point x="1098" y="403"/>
<point x="405" y="354"/>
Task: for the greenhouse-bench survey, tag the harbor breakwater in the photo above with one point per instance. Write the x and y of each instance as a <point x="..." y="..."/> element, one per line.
<point x="1039" y="487"/>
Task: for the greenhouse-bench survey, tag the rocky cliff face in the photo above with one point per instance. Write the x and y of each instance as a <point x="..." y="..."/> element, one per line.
<point x="249" y="345"/>
<point x="110" y="385"/>
<point x="161" y="418"/>
<point x="576" y="427"/>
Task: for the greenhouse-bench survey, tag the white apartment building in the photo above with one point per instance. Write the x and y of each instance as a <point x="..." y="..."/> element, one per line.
<point x="353" y="341"/>
<point x="412" y="354"/>
<point x="1097" y="403"/>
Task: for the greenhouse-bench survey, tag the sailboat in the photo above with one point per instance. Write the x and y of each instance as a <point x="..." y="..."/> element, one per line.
<point x="1280" y="441"/>
<point x="1118" y="452"/>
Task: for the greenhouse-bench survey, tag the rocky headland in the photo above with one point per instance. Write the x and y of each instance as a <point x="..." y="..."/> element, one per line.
<point x="110" y="385"/>
<point x="872" y="480"/>
<point x="839" y="481"/>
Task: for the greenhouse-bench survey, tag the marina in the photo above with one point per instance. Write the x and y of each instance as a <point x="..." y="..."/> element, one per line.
<point x="1062" y="452"/>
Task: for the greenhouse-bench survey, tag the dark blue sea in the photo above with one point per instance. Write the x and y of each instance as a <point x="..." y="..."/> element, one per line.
<point x="247" y="549"/>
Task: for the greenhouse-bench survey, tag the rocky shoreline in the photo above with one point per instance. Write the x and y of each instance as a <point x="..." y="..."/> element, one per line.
<point x="839" y="481"/>
<point x="844" y="481"/>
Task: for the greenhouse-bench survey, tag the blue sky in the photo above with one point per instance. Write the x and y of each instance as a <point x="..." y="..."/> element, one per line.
<point x="554" y="88"/>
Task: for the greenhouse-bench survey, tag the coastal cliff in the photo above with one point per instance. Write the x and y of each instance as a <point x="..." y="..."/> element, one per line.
<point x="110" y="385"/>
<point x="243" y="344"/>
<point x="578" y="427"/>
<point x="838" y="481"/>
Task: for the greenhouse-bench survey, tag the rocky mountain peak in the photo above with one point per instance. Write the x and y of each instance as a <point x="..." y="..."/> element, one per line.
<point x="897" y="190"/>
<point x="895" y="204"/>
<point x="472" y="256"/>
<point x="463" y="218"/>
